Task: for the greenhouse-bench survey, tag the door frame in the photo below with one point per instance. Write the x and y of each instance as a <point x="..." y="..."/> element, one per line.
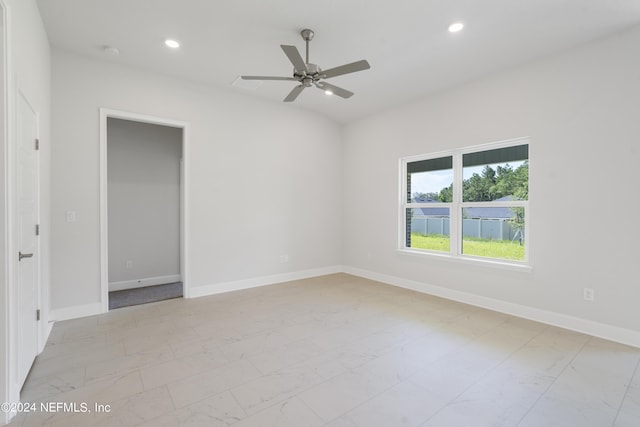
<point x="106" y="113"/>
<point x="9" y="391"/>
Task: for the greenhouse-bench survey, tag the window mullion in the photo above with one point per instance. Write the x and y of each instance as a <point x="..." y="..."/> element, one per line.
<point x="402" y="238"/>
<point x="509" y="204"/>
<point x="455" y="211"/>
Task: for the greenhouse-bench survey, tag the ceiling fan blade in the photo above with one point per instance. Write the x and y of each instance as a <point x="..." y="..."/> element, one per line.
<point x="294" y="93"/>
<point x="295" y="58"/>
<point x="334" y="89"/>
<point x="346" y="69"/>
<point x="267" y="78"/>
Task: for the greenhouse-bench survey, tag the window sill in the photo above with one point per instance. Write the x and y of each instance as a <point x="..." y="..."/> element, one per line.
<point x="490" y="263"/>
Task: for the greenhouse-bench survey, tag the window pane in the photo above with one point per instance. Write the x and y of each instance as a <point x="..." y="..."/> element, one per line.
<point x="496" y="175"/>
<point x="428" y="228"/>
<point x="493" y="232"/>
<point x="430" y="181"/>
<point x="498" y="155"/>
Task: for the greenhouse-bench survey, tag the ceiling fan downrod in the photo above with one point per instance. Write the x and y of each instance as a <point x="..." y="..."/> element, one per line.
<point x="307" y="35"/>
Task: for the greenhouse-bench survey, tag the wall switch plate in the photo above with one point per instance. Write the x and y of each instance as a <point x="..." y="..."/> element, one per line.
<point x="284" y="258"/>
<point x="588" y="294"/>
<point x="128" y="265"/>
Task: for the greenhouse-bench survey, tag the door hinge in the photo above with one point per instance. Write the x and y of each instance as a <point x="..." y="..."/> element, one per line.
<point x="37" y="314"/>
<point x="37" y="144"/>
<point x="37" y="229"/>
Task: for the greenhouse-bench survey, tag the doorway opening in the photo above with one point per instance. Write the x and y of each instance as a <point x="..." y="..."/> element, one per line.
<point x="142" y="209"/>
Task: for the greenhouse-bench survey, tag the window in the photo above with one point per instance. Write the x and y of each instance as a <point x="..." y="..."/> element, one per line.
<point x="469" y="203"/>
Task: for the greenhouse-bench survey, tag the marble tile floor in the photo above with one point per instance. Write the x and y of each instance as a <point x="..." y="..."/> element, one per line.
<point x="331" y="351"/>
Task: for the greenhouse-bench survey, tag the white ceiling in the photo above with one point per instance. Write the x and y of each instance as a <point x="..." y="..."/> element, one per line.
<point x="406" y="41"/>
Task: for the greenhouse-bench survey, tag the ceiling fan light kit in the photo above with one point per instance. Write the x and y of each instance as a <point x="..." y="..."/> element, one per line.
<point x="308" y="74"/>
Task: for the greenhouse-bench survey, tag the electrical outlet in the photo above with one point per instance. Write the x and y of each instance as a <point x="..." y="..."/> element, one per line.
<point x="128" y="265"/>
<point x="284" y="258"/>
<point x="588" y="294"/>
<point x="71" y="216"/>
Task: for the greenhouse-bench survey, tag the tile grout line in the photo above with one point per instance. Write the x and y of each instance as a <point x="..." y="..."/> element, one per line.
<point x="309" y="408"/>
<point x="626" y="392"/>
<point x="235" y="399"/>
<point x="488" y="371"/>
<point x="533" y="405"/>
<point x="325" y="380"/>
<point x="419" y="369"/>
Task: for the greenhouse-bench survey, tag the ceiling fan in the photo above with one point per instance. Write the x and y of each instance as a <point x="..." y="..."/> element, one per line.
<point x="308" y="74"/>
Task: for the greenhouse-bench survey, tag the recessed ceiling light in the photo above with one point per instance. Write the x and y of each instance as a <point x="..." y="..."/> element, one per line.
<point x="328" y="92"/>
<point x="455" y="27"/>
<point x="172" y="43"/>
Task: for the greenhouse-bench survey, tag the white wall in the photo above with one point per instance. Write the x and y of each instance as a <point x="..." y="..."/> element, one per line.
<point x="144" y="202"/>
<point x="29" y="72"/>
<point x="264" y="180"/>
<point x="581" y="111"/>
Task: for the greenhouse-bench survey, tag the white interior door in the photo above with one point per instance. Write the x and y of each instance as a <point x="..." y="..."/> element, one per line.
<point x="28" y="274"/>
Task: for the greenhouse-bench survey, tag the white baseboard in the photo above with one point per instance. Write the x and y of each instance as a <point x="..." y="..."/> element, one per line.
<point x="601" y="330"/>
<point x="141" y="283"/>
<point x="217" y="288"/>
<point x="75" y="312"/>
<point x="589" y="327"/>
<point x="200" y="291"/>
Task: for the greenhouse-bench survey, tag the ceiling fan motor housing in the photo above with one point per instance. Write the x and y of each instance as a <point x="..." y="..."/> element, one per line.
<point x="312" y="75"/>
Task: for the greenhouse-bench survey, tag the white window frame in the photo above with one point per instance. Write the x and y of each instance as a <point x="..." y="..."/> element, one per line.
<point x="456" y="207"/>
